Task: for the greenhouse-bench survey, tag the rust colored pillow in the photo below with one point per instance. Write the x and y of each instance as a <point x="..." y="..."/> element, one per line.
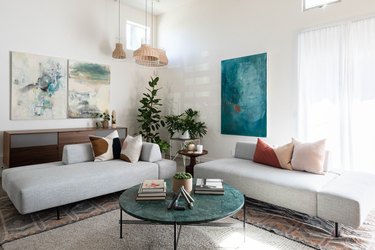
<point x="279" y="157"/>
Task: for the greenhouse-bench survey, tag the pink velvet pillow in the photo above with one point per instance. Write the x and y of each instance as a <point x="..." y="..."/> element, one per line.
<point x="309" y="156"/>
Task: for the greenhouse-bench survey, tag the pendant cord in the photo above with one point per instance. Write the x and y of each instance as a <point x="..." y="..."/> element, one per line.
<point x="146" y="24"/>
<point x="119" y="21"/>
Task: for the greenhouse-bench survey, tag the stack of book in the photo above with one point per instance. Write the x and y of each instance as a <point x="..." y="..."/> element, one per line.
<point x="209" y="186"/>
<point x="152" y="190"/>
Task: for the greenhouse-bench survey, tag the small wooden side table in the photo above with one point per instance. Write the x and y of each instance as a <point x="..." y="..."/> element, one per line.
<point x="193" y="155"/>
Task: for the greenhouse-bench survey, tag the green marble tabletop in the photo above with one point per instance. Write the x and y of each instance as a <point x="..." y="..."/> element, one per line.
<point x="206" y="207"/>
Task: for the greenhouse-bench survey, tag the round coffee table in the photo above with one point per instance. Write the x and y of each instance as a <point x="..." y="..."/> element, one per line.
<point x="207" y="208"/>
<point x="193" y="155"/>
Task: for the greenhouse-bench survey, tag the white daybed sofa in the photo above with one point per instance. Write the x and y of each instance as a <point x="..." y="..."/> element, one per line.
<point x="78" y="177"/>
<point x="345" y="198"/>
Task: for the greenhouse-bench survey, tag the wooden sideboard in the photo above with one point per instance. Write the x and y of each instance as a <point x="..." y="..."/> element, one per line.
<point x="25" y="147"/>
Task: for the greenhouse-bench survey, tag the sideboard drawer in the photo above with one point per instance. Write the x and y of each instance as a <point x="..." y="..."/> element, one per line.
<point x="75" y="136"/>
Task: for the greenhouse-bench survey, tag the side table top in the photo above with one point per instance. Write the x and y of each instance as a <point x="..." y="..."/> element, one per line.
<point x="206" y="207"/>
<point x="192" y="153"/>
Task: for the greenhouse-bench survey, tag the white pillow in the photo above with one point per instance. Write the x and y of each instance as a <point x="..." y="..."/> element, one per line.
<point x="131" y="148"/>
<point x="309" y="156"/>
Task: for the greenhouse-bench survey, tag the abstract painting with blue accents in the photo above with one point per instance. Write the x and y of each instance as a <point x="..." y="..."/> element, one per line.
<point x="244" y="96"/>
<point x="89" y="89"/>
<point x="38" y="87"/>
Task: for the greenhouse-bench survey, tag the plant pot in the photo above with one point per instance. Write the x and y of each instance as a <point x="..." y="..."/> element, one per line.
<point x="185" y="135"/>
<point x="187" y="183"/>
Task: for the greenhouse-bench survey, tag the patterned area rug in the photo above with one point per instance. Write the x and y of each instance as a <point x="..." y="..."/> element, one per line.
<point x="14" y="225"/>
<point x="311" y="231"/>
<point x="299" y="227"/>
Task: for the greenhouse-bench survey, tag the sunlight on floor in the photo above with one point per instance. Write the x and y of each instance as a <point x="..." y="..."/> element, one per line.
<point x="235" y="240"/>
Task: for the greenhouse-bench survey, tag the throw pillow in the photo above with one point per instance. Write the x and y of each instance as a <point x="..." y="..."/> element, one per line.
<point x="309" y="157"/>
<point x="131" y="148"/>
<point x="116" y="144"/>
<point x="278" y="157"/>
<point x="102" y="148"/>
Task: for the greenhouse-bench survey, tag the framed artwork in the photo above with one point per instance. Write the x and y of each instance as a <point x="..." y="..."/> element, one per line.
<point x="244" y="96"/>
<point x="89" y="89"/>
<point x="38" y="87"/>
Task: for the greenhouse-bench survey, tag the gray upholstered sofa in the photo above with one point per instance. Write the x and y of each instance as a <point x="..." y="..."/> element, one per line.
<point x="344" y="198"/>
<point x="78" y="177"/>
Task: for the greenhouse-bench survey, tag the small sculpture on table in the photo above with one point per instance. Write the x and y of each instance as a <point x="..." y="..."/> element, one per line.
<point x="174" y="203"/>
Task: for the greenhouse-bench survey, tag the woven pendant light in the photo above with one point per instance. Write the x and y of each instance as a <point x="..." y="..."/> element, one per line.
<point x="146" y="55"/>
<point x="163" y="59"/>
<point x="119" y="52"/>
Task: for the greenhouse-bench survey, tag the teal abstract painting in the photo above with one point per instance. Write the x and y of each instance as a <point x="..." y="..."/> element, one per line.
<point x="244" y="96"/>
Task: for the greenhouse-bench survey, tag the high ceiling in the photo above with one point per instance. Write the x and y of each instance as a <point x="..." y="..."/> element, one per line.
<point x="160" y="6"/>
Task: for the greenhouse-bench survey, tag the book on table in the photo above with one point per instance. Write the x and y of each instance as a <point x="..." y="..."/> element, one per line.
<point x="153" y="186"/>
<point x="152" y="190"/>
<point x="209" y="186"/>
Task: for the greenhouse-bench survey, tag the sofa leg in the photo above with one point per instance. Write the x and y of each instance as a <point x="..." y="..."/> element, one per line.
<point x="337" y="230"/>
<point x="58" y="213"/>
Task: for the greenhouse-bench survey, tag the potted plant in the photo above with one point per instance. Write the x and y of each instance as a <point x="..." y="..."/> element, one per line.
<point x="182" y="179"/>
<point x="106" y="118"/>
<point x="186" y="124"/>
<point x="149" y="116"/>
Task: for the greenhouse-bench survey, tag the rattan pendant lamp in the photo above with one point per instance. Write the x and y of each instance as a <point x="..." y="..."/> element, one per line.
<point x="146" y="55"/>
<point x="119" y="52"/>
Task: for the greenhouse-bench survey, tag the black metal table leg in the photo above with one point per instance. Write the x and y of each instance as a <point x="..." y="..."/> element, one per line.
<point x="120" y="223"/>
<point x="244" y="220"/>
<point x="175" y="236"/>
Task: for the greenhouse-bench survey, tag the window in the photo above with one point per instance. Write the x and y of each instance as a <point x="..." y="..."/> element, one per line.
<point x="309" y="4"/>
<point x="337" y="91"/>
<point x="135" y="34"/>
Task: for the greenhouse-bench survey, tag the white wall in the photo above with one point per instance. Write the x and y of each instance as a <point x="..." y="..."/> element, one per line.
<point x="85" y="30"/>
<point x="199" y="35"/>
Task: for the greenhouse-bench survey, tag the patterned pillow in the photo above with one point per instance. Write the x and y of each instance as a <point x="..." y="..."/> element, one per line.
<point x="278" y="157"/>
<point x="106" y="148"/>
<point x="131" y="148"/>
<point x="309" y="157"/>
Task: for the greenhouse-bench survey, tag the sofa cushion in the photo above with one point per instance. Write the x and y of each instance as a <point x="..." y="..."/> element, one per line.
<point x="75" y="153"/>
<point x="278" y="157"/>
<point x="52" y="185"/>
<point x="131" y="148"/>
<point x="347" y="200"/>
<point x="309" y="157"/>
<point x="150" y="152"/>
<point x="244" y="150"/>
<point x="291" y="189"/>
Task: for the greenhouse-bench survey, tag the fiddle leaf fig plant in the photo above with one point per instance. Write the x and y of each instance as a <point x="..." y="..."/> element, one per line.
<point x="149" y="116"/>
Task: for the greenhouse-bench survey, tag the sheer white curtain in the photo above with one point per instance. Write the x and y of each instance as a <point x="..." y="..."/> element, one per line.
<point x="337" y="91"/>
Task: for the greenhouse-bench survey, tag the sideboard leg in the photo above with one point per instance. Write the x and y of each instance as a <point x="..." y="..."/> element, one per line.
<point x="58" y="213"/>
<point x="337" y="230"/>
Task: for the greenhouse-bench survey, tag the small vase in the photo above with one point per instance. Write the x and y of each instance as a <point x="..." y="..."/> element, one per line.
<point x="187" y="183"/>
<point x="105" y="124"/>
<point x="185" y="135"/>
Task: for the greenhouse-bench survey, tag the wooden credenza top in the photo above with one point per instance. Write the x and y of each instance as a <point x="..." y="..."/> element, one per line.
<point x="26" y="147"/>
<point x="40" y="131"/>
